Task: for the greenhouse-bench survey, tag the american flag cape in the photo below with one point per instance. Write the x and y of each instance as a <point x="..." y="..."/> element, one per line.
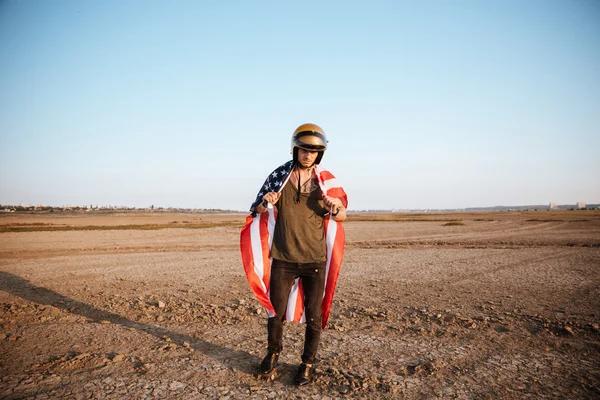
<point x="256" y="239"/>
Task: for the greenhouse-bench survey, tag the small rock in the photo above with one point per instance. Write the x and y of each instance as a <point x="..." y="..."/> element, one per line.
<point x="569" y="331"/>
<point x="118" y="357"/>
<point x="174" y="386"/>
<point x="344" y="389"/>
<point x="161" y="304"/>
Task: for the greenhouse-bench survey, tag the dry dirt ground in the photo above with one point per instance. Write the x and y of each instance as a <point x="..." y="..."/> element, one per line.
<point x="504" y="306"/>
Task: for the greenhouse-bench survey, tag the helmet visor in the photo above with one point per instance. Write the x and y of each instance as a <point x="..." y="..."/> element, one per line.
<point x="310" y="140"/>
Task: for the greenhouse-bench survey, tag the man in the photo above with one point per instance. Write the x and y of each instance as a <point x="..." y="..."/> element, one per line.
<point x="292" y="246"/>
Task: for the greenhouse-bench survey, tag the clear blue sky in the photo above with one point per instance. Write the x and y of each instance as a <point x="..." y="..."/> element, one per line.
<point x="426" y="104"/>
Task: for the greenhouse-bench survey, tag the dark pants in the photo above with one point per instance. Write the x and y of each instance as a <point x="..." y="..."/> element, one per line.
<point x="313" y="281"/>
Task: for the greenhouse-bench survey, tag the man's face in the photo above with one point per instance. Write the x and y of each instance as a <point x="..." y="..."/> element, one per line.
<point x="307" y="158"/>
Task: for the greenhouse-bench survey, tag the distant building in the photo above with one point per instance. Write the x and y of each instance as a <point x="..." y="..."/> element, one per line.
<point x="580" y="205"/>
<point x="553" y="205"/>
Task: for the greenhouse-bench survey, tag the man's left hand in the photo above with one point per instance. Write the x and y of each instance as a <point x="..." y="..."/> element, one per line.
<point x="332" y="202"/>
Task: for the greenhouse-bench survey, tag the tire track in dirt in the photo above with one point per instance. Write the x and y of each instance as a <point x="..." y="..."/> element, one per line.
<point x="500" y="230"/>
<point x="449" y="235"/>
<point x="485" y="240"/>
<point x="475" y="244"/>
<point x="504" y="238"/>
<point x="33" y="254"/>
<point x="522" y="263"/>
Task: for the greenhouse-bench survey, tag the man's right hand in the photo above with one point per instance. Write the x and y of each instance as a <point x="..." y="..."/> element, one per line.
<point x="270" y="197"/>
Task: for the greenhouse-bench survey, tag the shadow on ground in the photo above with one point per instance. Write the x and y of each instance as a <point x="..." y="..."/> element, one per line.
<point x="17" y="286"/>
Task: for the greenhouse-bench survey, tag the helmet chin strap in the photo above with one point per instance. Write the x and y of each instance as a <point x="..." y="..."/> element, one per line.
<point x="299" y="168"/>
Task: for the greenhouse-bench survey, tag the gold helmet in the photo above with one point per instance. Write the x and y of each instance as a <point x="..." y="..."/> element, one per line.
<point x="309" y="137"/>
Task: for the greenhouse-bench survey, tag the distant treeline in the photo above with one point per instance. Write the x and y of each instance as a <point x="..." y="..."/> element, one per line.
<point x="564" y="207"/>
<point x="107" y="210"/>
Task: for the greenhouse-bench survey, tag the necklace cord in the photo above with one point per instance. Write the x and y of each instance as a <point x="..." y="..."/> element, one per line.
<point x="298" y="188"/>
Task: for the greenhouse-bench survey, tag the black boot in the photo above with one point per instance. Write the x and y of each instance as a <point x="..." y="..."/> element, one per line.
<point x="305" y="374"/>
<point x="268" y="363"/>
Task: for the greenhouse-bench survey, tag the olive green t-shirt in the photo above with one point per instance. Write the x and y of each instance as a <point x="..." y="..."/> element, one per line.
<point x="299" y="234"/>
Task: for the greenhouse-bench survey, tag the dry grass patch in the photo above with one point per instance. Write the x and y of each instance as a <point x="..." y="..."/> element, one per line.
<point x="143" y="227"/>
<point x="454" y="223"/>
<point x="394" y="217"/>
